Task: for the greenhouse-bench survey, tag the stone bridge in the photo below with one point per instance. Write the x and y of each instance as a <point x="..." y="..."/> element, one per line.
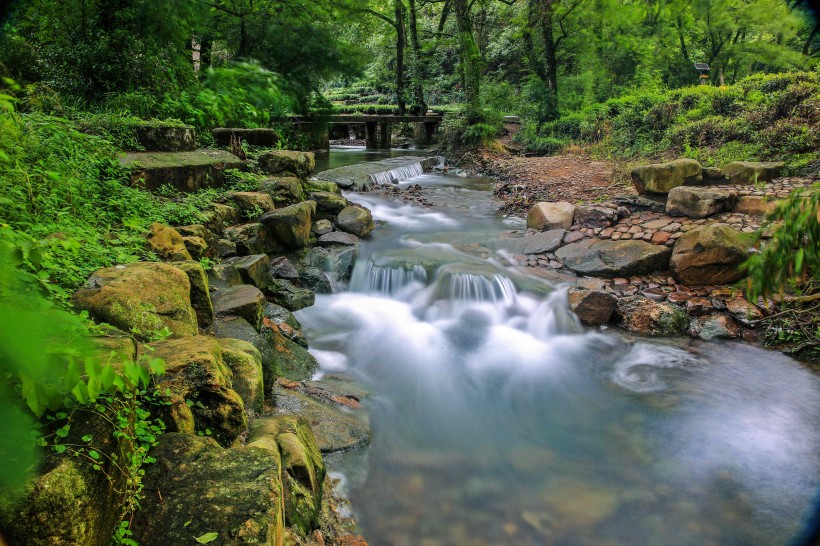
<point x="377" y="128"/>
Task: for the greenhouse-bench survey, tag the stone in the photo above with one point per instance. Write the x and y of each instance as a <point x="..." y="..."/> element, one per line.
<point x="245" y="363"/>
<point x="660" y="237"/>
<point x="338" y="238"/>
<point x="283" y="191"/>
<point x="250" y="239"/>
<point x="321" y="227"/>
<point x="663" y="177"/>
<point x="166" y="243"/>
<point x="194" y="230"/>
<point x="158" y="136"/>
<point x="262" y="137"/>
<point x="709" y="255"/>
<point x="254" y="269"/>
<point x="281" y="268"/>
<point x="88" y="501"/>
<point x="141" y="298"/>
<point x="251" y="202"/>
<point x="544" y="241"/>
<point x="244" y="301"/>
<point x="755" y="205"/>
<point x="288" y="295"/>
<point x="196" y="246"/>
<point x="225" y="248"/>
<point x="604" y="258"/>
<point x="356" y="220"/>
<point x="654" y="294"/>
<point x="224" y="276"/>
<point x="239" y="328"/>
<point x="751" y="172"/>
<point x="279" y="315"/>
<point x="593" y="307"/>
<point x="237" y="493"/>
<point x="743" y="310"/>
<point x="312" y="185"/>
<point x="698" y="306"/>
<point x="653" y="225"/>
<point x="200" y="291"/>
<point x="714" y="176"/>
<point x="699" y="202"/>
<point x="290" y="226"/>
<point x="293" y="163"/>
<point x="711" y="327"/>
<point x="219" y="216"/>
<point x="329" y="202"/>
<point x="595" y="216"/>
<point x="303" y="471"/>
<point x="315" y="280"/>
<point x="545" y="216"/>
<point x="185" y="171"/>
<point x="201" y="389"/>
<point x="572" y="237"/>
<point x="643" y="315"/>
<point x="290" y="360"/>
<point x="335" y="429"/>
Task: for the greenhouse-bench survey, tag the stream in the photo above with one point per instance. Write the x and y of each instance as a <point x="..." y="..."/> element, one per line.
<point x="498" y="419"/>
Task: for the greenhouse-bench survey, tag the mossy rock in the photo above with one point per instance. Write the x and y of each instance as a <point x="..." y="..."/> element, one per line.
<point x="283" y="191"/>
<point x="185" y="171"/>
<point x="288" y="295"/>
<point x="302" y="465"/>
<point x="200" y="292"/>
<point x="356" y="220"/>
<point x="329" y="202"/>
<point x="291" y="360"/>
<point x="158" y="136"/>
<point x="141" y="297"/>
<point x="642" y="315"/>
<point x="298" y="164"/>
<point x="312" y="185"/>
<point x="290" y="226"/>
<point x="167" y="243"/>
<point x="710" y="254"/>
<point x="239" y="328"/>
<point x="244" y="301"/>
<point x="752" y="172"/>
<point x="245" y="362"/>
<point x="236" y="493"/>
<point x="662" y="177"/>
<point x="201" y="388"/>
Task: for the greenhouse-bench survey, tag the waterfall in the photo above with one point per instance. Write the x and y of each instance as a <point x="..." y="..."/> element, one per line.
<point x="389" y="280"/>
<point x="396" y="175"/>
<point x="471" y="287"/>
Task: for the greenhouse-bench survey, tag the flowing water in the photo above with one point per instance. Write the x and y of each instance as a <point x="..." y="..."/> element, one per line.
<point x="497" y="419"/>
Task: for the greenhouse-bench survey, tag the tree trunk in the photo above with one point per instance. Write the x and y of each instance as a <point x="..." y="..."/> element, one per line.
<point x="470" y="61"/>
<point x="541" y="14"/>
<point x="401" y="42"/>
<point x="418" y="73"/>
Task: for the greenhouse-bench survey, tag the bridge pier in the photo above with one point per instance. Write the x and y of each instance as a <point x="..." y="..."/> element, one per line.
<point x="424" y="131"/>
<point x="378" y="135"/>
<point x="316" y="133"/>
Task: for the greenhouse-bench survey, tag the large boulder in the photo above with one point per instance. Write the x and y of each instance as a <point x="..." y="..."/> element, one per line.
<point x="219" y="216"/>
<point x="241" y="329"/>
<point x="699" y="202"/>
<point x="313" y="185"/>
<point x="298" y="164"/>
<point x="201" y="391"/>
<point x="335" y="429"/>
<point x="160" y="136"/>
<point x="245" y="362"/>
<point x="69" y="501"/>
<point x="303" y="471"/>
<point x="356" y="220"/>
<point x="283" y="191"/>
<point x="604" y="258"/>
<point x="755" y="205"/>
<point x="752" y="172"/>
<point x="291" y="360"/>
<point x="245" y="301"/>
<point x="593" y="307"/>
<point x="288" y="295"/>
<point x="140" y="297"/>
<point x="236" y="493"/>
<point x="290" y="226"/>
<point x="710" y="254"/>
<point x="200" y="292"/>
<point x="545" y="241"/>
<point x="166" y="242"/>
<point x="645" y="316"/>
<point x="662" y="177"/>
<point x="329" y="202"/>
<point x="544" y="216"/>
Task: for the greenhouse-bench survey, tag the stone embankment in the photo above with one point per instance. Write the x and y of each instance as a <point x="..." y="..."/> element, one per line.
<point x="663" y="262"/>
<point x="246" y="428"/>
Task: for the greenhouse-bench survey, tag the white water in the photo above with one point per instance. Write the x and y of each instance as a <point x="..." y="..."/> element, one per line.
<point x="498" y="419"/>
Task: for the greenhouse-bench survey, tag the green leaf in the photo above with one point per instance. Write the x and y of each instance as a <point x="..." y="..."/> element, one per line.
<point x="206" y="538"/>
<point x="59" y="448"/>
<point x="87" y="438"/>
<point x="94" y="455"/>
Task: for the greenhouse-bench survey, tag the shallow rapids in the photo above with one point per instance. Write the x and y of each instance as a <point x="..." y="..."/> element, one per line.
<point x="498" y="419"/>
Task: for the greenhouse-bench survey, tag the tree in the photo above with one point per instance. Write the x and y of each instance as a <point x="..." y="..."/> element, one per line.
<point x="470" y="61"/>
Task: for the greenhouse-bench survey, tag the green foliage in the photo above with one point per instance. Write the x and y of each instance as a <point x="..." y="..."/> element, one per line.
<point x="793" y="253"/>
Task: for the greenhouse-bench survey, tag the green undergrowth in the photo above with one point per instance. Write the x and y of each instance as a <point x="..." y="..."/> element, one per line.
<point x="763" y="117"/>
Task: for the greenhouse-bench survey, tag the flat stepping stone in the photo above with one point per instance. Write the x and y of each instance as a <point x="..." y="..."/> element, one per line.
<point x="338" y="237"/>
<point x="605" y="258"/>
<point x="185" y="171"/>
<point x="547" y="241"/>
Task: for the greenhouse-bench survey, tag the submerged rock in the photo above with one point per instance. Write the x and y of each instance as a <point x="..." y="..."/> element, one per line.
<point x="140" y="297"/>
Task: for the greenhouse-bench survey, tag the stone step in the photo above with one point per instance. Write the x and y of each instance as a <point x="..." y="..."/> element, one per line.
<point x="185" y="171"/>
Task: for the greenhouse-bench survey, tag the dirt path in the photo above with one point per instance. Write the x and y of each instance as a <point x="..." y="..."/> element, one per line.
<point x="524" y="181"/>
